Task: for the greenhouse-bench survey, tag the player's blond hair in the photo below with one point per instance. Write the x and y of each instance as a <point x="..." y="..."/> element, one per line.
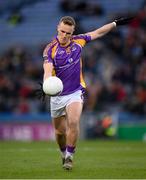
<point x="68" y="20"/>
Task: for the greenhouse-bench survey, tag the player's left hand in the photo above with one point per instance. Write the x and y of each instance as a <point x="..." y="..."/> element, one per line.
<point x="123" y="21"/>
<point x="39" y="93"/>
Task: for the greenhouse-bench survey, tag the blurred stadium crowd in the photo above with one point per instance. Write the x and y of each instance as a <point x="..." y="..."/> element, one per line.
<point x="114" y="66"/>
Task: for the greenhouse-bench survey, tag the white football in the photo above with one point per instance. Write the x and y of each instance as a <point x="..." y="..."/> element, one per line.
<point x="52" y="86"/>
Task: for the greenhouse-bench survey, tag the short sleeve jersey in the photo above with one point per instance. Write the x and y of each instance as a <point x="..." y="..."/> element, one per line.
<point x="67" y="62"/>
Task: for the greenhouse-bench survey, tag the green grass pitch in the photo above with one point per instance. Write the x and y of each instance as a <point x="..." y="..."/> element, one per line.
<point x="93" y="160"/>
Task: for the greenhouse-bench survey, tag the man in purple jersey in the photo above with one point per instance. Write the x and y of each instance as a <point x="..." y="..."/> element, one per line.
<point x="62" y="58"/>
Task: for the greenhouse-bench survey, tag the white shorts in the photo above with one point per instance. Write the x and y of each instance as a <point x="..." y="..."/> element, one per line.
<point x="58" y="103"/>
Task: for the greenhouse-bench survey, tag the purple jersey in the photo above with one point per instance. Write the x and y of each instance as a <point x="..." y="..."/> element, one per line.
<point x="67" y="62"/>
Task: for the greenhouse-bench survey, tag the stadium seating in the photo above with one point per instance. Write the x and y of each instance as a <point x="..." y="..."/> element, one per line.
<point x="40" y="19"/>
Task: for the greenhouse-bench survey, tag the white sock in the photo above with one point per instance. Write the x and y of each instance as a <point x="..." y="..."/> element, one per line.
<point x="68" y="154"/>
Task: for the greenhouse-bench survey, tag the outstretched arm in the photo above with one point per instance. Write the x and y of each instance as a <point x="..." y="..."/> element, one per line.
<point x="108" y="27"/>
<point x="101" y="31"/>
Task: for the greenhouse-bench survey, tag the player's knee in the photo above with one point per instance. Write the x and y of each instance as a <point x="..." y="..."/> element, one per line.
<point x="59" y="132"/>
<point x="73" y="125"/>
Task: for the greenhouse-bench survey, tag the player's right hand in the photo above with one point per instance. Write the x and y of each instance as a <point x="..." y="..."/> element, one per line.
<point x="39" y="93"/>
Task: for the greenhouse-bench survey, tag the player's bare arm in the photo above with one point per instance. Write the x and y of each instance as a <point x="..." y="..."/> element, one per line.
<point x="108" y="27"/>
<point x="102" y="31"/>
<point x="48" y="68"/>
